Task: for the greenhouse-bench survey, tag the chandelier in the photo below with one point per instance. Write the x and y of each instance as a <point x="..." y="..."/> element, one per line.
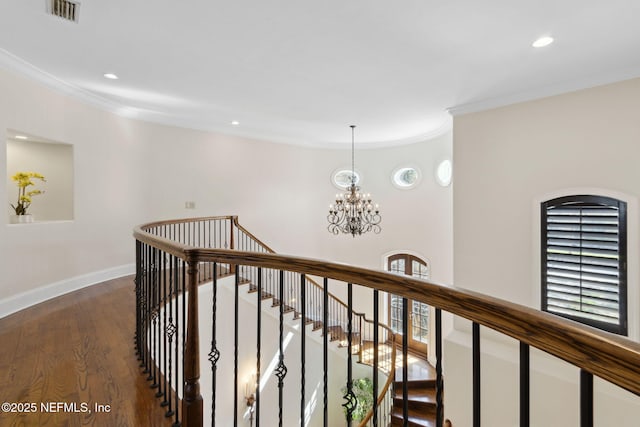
<point x="354" y="212"/>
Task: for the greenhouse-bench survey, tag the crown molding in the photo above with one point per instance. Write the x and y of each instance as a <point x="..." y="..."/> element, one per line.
<point x="10" y="62"/>
<point x="545" y="92"/>
<point x="17" y="65"/>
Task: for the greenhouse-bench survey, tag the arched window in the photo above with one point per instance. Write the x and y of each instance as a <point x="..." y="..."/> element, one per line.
<point x="418" y="326"/>
<point x="584" y="260"/>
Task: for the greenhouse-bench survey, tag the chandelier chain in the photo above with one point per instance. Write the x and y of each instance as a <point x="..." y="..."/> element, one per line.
<point x="353" y="155"/>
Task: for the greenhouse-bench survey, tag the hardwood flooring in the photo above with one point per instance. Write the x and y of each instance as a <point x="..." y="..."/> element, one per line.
<point x="61" y="358"/>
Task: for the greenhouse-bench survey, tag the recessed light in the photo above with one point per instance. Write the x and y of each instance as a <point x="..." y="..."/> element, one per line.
<point x="21" y="137"/>
<point x="235" y="123"/>
<point x="110" y="76"/>
<point x="542" y="41"/>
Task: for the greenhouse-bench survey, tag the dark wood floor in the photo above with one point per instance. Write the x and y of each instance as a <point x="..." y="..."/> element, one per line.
<point x="76" y="349"/>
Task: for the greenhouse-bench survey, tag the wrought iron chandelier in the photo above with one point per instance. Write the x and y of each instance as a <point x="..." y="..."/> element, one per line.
<point x="354" y="212"/>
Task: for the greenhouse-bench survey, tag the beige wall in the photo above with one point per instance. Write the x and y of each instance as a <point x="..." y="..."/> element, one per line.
<point x="507" y="161"/>
<point x="128" y="172"/>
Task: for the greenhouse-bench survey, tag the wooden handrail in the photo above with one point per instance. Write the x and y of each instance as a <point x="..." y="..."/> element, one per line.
<point x="387" y="384"/>
<point x="183" y="251"/>
<point x="248" y="233"/>
<point x="608" y="356"/>
<point x="341" y="303"/>
<point x="269" y="250"/>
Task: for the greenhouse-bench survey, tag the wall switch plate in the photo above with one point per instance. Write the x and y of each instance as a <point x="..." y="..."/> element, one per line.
<point x="189" y="205"/>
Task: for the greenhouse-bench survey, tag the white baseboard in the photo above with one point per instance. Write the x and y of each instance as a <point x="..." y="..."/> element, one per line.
<point x="35" y="296"/>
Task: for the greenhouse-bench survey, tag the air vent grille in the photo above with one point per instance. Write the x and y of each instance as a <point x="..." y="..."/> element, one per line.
<point x="64" y="9"/>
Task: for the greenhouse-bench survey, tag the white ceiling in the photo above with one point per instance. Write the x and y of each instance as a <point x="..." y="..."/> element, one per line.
<point x="301" y="71"/>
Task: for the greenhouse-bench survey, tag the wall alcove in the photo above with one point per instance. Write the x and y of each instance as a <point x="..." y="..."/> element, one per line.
<point x="53" y="160"/>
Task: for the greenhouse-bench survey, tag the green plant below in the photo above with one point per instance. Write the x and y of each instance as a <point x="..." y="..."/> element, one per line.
<point x="24" y="180"/>
<point x="363" y="391"/>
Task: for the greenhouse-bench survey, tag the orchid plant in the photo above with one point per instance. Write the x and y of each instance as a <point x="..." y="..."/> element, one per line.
<point x="24" y="180"/>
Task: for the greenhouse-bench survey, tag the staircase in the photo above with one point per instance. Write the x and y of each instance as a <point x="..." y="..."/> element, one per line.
<point x="421" y="403"/>
<point x="285" y="291"/>
<point x="421" y="382"/>
<point x="334" y="332"/>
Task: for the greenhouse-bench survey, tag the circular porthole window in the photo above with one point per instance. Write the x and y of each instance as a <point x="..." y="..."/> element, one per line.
<point x="444" y="172"/>
<point x="406" y="177"/>
<point x="342" y="178"/>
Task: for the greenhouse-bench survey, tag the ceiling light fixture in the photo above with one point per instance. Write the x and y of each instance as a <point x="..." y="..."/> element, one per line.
<point x="21" y="137"/>
<point x="542" y="41"/>
<point x="354" y="212"/>
<point x="235" y="123"/>
<point x="110" y="76"/>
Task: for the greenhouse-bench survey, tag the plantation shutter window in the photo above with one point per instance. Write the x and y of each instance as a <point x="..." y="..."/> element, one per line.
<point x="584" y="260"/>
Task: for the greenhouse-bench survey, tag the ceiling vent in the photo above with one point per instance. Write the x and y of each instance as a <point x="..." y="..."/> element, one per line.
<point x="65" y="9"/>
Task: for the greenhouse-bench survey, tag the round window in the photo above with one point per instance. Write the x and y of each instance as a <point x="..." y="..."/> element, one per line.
<point x="406" y="177"/>
<point x="342" y="178"/>
<point x="444" y="173"/>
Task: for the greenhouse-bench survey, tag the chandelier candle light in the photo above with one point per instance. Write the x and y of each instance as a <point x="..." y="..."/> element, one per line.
<point x="354" y="212"/>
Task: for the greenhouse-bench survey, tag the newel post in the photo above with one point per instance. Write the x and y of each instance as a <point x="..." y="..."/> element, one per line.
<point x="234" y="220"/>
<point x="232" y="243"/>
<point x="192" y="401"/>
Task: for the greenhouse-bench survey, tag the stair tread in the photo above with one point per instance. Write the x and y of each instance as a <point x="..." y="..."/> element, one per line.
<point x="415" y="418"/>
<point x="416" y="384"/>
<point x="421" y="395"/>
<point x="418" y="395"/>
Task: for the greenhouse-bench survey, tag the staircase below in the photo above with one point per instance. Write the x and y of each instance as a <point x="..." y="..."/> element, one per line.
<point x="421" y="396"/>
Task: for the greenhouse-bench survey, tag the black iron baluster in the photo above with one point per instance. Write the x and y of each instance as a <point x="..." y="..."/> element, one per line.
<point x="235" y="347"/>
<point x="259" y="346"/>
<point x="219" y="233"/>
<point x="163" y="384"/>
<point x="149" y="308"/>
<point x="171" y="327"/>
<point x="136" y="281"/>
<point x="349" y="396"/>
<point x="303" y="338"/>
<point x="586" y="399"/>
<point x="144" y="303"/>
<point x="228" y="231"/>
<point x="524" y="385"/>
<point x="405" y="362"/>
<point x="149" y="326"/>
<point x="183" y="293"/>
<point x="138" y="291"/>
<point x="214" y="353"/>
<point x="325" y="347"/>
<point x="156" y="321"/>
<point x="476" y="375"/>
<point x="376" y="340"/>
<point x="176" y="386"/>
<point x="143" y="309"/>
<point x="439" y="380"/>
<point x="281" y="370"/>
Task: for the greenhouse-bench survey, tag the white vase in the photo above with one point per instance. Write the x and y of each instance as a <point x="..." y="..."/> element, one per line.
<point x="21" y="219"/>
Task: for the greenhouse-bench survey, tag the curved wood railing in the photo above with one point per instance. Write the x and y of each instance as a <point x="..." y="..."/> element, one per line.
<point x="610" y="357"/>
<point x="226" y="232"/>
<point x="386" y="389"/>
<point x="246" y="241"/>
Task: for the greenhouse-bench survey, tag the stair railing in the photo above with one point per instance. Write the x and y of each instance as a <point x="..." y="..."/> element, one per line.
<point x="166" y="267"/>
<point x="338" y="315"/>
<point x="225" y="232"/>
